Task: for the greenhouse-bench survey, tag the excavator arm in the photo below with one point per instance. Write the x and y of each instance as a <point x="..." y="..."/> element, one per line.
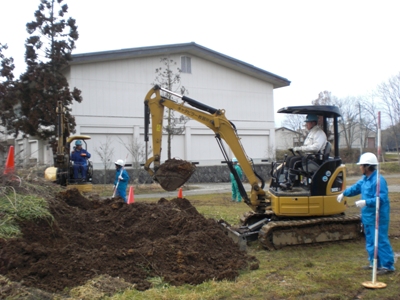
<point x="214" y="119"/>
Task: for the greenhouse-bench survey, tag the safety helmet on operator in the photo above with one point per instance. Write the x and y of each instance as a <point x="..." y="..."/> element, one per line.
<point x="78" y="143"/>
<point x="368" y="158"/>
<point x="311" y="118"/>
<point x="234" y="160"/>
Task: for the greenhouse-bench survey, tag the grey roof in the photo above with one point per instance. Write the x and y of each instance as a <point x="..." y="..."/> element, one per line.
<point x="285" y="128"/>
<point x="189" y="48"/>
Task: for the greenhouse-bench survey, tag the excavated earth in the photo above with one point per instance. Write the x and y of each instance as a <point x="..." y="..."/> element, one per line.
<point x="88" y="238"/>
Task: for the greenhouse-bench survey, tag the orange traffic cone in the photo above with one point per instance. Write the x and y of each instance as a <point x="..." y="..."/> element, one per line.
<point x="131" y="197"/>
<point x="180" y="196"/>
<point x="10" y="162"/>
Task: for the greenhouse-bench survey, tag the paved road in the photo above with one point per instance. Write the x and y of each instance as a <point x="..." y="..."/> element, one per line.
<point x="225" y="187"/>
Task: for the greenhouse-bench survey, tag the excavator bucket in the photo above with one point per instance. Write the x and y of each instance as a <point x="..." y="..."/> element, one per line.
<point x="173" y="173"/>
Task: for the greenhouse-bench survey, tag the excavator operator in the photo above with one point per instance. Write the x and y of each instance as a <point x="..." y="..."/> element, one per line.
<point x="79" y="156"/>
<point x="314" y="143"/>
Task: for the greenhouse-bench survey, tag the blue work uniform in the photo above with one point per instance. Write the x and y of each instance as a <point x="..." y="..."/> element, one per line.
<point x="79" y="157"/>
<point x="366" y="186"/>
<point x="235" y="186"/>
<point x="123" y="183"/>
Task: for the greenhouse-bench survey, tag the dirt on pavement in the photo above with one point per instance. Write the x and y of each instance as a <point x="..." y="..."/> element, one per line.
<point x="89" y="238"/>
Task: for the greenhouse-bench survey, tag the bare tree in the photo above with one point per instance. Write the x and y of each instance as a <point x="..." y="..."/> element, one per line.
<point x="389" y="93"/>
<point x="171" y="80"/>
<point x="106" y="152"/>
<point x="296" y="123"/>
<point x="138" y="152"/>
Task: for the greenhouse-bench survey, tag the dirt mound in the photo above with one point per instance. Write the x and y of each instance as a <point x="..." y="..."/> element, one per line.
<point x="168" y="239"/>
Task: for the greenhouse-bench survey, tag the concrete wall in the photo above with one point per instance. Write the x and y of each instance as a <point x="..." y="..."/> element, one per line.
<point x="203" y="174"/>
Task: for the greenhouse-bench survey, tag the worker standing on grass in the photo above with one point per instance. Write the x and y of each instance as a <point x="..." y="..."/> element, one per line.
<point x="80" y="156"/>
<point x="235" y="187"/>
<point x="121" y="179"/>
<point x="367" y="187"/>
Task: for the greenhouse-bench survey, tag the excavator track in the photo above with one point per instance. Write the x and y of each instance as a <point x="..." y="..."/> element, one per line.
<point x="277" y="234"/>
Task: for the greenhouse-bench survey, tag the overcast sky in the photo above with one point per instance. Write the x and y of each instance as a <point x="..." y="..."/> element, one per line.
<point x="347" y="47"/>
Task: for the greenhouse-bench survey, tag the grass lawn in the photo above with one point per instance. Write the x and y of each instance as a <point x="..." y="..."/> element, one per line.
<point x="320" y="271"/>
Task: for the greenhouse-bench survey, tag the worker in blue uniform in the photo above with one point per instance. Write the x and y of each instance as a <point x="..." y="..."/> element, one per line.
<point x="367" y="187"/>
<point x="80" y="156"/>
<point x="121" y="179"/>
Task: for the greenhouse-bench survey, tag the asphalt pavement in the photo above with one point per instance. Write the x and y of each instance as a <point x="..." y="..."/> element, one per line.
<point x="225" y="187"/>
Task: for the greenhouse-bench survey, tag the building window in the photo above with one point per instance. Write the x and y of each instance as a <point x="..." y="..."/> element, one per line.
<point x="186" y="64"/>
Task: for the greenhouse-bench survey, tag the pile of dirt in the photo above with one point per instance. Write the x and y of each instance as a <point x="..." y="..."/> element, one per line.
<point x="88" y="238"/>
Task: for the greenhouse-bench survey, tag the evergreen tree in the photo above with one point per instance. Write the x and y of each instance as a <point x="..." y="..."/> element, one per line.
<point x="48" y="51"/>
<point x="7" y="92"/>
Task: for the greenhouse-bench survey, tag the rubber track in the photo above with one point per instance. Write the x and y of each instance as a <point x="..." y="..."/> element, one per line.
<point x="312" y="225"/>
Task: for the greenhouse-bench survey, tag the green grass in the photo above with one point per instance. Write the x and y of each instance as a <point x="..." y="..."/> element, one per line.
<point x="14" y="207"/>
<point x="319" y="271"/>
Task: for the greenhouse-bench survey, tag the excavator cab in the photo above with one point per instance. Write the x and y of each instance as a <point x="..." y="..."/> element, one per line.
<point x="314" y="175"/>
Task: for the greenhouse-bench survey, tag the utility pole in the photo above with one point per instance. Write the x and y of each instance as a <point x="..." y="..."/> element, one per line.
<point x="360" y="124"/>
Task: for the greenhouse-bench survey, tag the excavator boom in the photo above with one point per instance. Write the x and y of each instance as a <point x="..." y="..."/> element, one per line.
<point x="215" y="120"/>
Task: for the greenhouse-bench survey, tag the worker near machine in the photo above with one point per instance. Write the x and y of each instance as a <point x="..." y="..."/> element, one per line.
<point x="80" y="156"/>
<point x="367" y="187"/>
<point x="314" y="143"/>
<point x="121" y="179"/>
<point x="236" y="196"/>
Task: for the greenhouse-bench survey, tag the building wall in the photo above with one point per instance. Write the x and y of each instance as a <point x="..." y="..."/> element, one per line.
<point x="285" y="139"/>
<point x="112" y="110"/>
<point x="113" y="94"/>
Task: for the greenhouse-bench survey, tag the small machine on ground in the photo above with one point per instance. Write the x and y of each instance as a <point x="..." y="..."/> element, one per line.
<point x="62" y="173"/>
<point x="308" y="213"/>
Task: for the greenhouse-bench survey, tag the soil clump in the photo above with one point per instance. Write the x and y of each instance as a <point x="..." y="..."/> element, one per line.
<point x="89" y="238"/>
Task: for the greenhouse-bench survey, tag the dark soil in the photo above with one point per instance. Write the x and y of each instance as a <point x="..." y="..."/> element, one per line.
<point x="88" y="238"/>
<point x="173" y="173"/>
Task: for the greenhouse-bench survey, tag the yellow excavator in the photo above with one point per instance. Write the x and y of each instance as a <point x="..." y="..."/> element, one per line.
<point x="308" y="213"/>
<point x="62" y="171"/>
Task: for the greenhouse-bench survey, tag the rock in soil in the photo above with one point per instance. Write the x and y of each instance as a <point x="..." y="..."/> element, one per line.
<point x="167" y="239"/>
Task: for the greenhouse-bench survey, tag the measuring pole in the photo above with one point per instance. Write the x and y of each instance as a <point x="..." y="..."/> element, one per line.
<point x="374" y="284"/>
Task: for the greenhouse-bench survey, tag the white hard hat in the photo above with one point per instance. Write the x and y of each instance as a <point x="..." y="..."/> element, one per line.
<point x="368" y="158"/>
<point x="120" y="162"/>
<point x="234" y="159"/>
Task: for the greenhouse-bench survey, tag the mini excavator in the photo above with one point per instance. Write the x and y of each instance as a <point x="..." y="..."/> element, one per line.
<point x="308" y="213"/>
<point x="62" y="171"/>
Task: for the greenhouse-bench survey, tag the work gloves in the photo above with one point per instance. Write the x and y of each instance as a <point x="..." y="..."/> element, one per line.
<point x="120" y="177"/>
<point x="340" y="198"/>
<point x="361" y="203"/>
<point x="297" y="149"/>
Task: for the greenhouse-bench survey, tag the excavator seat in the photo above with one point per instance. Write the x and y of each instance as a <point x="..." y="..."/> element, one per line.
<point x="312" y="162"/>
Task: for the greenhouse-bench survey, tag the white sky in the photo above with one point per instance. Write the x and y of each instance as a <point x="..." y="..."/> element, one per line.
<point x="347" y="47"/>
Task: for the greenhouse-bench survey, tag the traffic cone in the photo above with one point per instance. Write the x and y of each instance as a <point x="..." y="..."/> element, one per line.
<point x="180" y="196"/>
<point x="10" y="162"/>
<point x="131" y="197"/>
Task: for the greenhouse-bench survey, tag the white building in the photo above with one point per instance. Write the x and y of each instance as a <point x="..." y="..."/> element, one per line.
<point x="114" y="85"/>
